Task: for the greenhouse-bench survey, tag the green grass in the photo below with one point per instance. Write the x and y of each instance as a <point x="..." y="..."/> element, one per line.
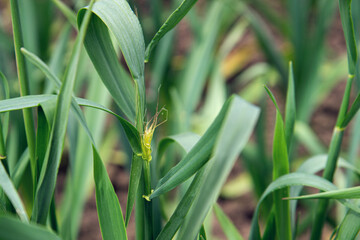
<point x="177" y="116"/>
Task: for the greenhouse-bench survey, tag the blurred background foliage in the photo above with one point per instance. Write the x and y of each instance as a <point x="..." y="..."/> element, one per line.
<point x="219" y="48"/>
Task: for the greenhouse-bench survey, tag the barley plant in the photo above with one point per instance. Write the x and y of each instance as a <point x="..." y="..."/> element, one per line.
<point x="82" y="79"/>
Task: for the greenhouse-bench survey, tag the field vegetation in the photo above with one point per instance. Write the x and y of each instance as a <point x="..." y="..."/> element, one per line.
<point x="175" y="93"/>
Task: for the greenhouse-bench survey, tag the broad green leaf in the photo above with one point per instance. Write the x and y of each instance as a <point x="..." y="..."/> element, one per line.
<point x="110" y="216"/>
<point x="10" y="191"/>
<point x="293" y="179"/>
<point x="227" y="226"/>
<point x="48" y="175"/>
<point x="117" y="18"/>
<point x="169" y="24"/>
<point x="234" y="132"/>
<point x="13" y="229"/>
<point x="348" y="27"/>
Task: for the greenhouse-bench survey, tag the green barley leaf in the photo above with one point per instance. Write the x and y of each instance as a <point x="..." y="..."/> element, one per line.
<point x="30" y="101"/>
<point x="117" y="18"/>
<point x="6" y="95"/>
<point x="234" y="133"/>
<point x="229" y="126"/>
<point x="348" y="27"/>
<point x="106" y="202"/>
<point x="293" y="179"/>
<point x="312" y="166"/>
<point x="200" y="153"/>
<point x="169" y="24"/>
<point x="227" y="226"/>
<point x="13" y="229"/>
<point x="48" y="174"/>
<point x="130" y="130"/>
<point x="182" y="209"/>
<point x="290" y="108"/>
<point x="135" y="174"/>
<point x="7" y="186"/>
<point x="280" y="168"/>
<point x="347" y="193"/>
<point x="110" y="216"/>
<point x="20" y="168"/>
<point x="349" y="227"/>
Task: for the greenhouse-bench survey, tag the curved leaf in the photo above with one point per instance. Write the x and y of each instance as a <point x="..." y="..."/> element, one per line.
<point x="293" y="179"/>
<point x="116" y="17"/>
<point x="12" y="229"/>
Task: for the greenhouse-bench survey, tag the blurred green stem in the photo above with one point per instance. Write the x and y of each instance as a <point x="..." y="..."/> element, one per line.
<point x="24" y="85"/>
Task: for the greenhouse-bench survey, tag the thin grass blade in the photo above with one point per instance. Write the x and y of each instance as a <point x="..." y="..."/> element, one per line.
<point x="290" y="109"/>
<point x="227" y="226"/>
<point x="169" y="24"/>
